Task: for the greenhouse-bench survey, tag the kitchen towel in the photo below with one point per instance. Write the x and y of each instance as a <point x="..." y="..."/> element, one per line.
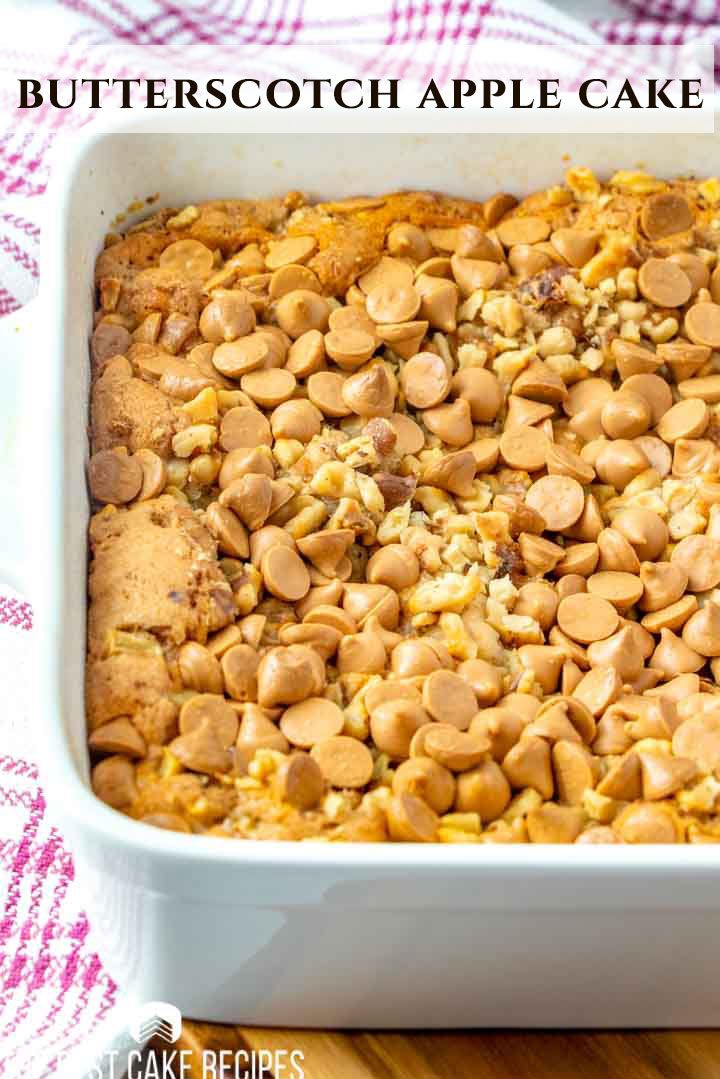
<point x="58" y="1004"/>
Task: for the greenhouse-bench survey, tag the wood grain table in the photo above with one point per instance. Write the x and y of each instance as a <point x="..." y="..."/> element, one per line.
<point x="467" y="1054"/>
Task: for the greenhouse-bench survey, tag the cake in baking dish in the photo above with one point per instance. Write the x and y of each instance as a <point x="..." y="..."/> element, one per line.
<point x="406" y="517"/>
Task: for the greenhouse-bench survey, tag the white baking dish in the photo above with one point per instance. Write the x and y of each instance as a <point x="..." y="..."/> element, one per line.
<point x="314" y="934"/>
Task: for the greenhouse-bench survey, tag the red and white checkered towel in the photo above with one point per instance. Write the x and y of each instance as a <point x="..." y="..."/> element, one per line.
<point x="56" y="999"/>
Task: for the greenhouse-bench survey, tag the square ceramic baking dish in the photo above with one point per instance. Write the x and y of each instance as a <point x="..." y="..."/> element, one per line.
<point x="318" y="934"/>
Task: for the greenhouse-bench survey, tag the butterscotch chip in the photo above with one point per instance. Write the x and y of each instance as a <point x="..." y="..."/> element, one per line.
<point x="425" y="380"/>
<point x="393" y="723"/>
<point x="393" y="303"/>
<point x="540" y="383"/>
<point x="114" y="477"/>
<point x="449" y="699"/>
<point x="702" y="324"/>
<point x="560" y="461"/>
<point x="361" y="653"/>
<point x="327" y="548"/>
<point x="645" y="530"/>
<point x="235" y="358"/>
<point x="410" y="438"/>
<point x="306" y="355"/>
<point x="451" y="423"/>
<point x="352" y="318"/>
<point x="456" y="750"/>
<point x="664" y="284"/>
<point x="344" y="762"/>
<point x="299" y="781"/>
<point x="694" y="267"/>
<point x="706" y="388"/>
<point x="632" y="359"/>
<point x="394" y="565"/>
<point x="654" y="389"/>
<point x="522" y="230"/>
<point x="312" y="720"/>
<point x="579" y="558"/>
<point x="454" y="472"/>
<point x="528" y="764"/>
<point x="242" y="461"/>
<point x="387" y="271"/>
<point x="686" y="419"/>
<point x="443" y="239"/>
<point x="439" y="301"/>
<point x="586" y="617"/>
<point x="269" y="388"/>
<point x="229" y="315"/>
<point x="325" y="392"/>
<point x="326" y="614"/>
<point x="404" y="338"/>
<point x="521" y="412"/>
<point x="290" y="278"/>
<point x="527" y="260"/>
<point x="436" y="266"/>
<point x="577" y="246"/>
<point x="349" y="348"/>
<point x="672" y="656"/>
<point x="588" y="394"/>
<point x="279" y="344"/>
<point x="228" y="530"/>
<point x="626" y="415"/>
<point x="482" y="390"/>
<point x="664" y="214"/>
<point x="239" y="668"/>
<point x="244" y="427"/>
<point x="702" y="630"/>
<point x="109" y="340"/>
<point x="409" y="241"/>
<point x="301" y="310"/>
<point x="113" y="781"/>
<point x="471" y="242"/>
<point x="486" y="452"/>
<point x="620" y="589"/>
<point x="369" y="393"/>
<point x="250" y="497"/>
<point x="257" y="731"/>
<point x="699" y="557"/>
<point x="497" y="206"/>
<point x="471" y="274"/>
<point x="153" y="469"/>
<point x="189" y="258"/>
<point x="558" y="499"/>
<point x="410" y="820"/>
<point x="267" y="537"/>
<point x="118" y="736"/>
<point x="285" y="574"/>
<point x="293" y="249"/>
<point x="598" y="689"/>
<point x="698" y="739"/>
<point x="645" y="822"/>
<point x="552" y="823"/>
<point x="674" y="616"/>
<point x="209" y="708"/>
<point x="428" y="780"/>
<point x="524" y="448"/>
<point x="298" y="419"/>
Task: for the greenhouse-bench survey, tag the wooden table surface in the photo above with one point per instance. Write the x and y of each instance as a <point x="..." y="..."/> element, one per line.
<point x="467" y="1054"/>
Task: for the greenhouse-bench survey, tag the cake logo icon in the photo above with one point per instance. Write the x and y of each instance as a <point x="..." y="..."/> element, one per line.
<point x="156" y="1019"/>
